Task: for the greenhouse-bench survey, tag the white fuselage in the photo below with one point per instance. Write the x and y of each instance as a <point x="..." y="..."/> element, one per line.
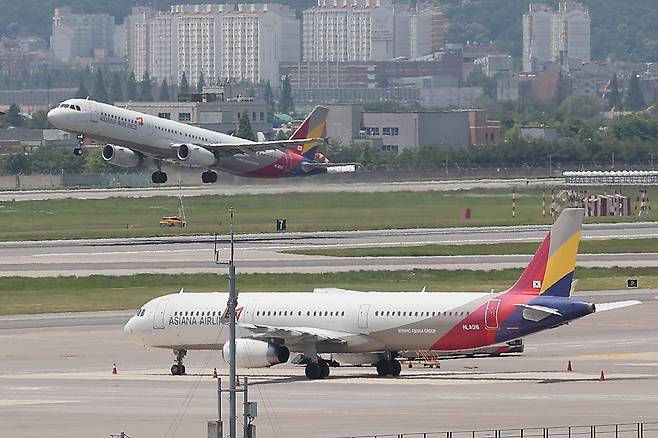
<point x="368" y="321"/>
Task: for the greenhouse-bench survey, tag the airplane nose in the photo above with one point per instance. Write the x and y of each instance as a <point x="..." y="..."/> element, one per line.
<point x="129" y="328"/>
<point x="56" y="116"/>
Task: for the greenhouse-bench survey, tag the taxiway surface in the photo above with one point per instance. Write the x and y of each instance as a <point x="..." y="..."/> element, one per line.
<point x="56" y="381"/>
<point x="262" y="252"/>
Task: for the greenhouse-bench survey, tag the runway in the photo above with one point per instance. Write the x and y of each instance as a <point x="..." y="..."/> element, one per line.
<point x="56" y="381"/>
<point x="316" y="185"/>
<point x="262" y="252"/>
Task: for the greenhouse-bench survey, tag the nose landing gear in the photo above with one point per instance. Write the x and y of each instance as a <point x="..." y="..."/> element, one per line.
<point x="178" y="369"/>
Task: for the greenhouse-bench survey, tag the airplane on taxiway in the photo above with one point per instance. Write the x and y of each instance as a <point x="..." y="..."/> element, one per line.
<point x="372" y="327"/>
<point x="131" y="137"/>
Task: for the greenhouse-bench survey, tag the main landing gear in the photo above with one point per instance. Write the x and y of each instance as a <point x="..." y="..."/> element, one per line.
<point x="78" y="150"/>
<point x="388" y="366"/>
<point x="178" y="369"/>
<point x="209" y="177"/>
<point x="317" y="370"/>
<point x="159" y="177"/>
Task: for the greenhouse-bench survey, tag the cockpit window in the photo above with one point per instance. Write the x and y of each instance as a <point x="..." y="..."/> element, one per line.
<point x="77" y="108"/>
<point x="141" y="312"/>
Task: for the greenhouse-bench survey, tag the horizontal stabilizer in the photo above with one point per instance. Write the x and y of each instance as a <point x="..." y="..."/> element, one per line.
<point x="331" y="167"/>
<point x="537" y="313"/>
<point x="604" y="307"/>
<point x="334" y="290"/>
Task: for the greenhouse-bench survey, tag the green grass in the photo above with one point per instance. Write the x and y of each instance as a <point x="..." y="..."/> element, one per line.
<point x="19" y="295"/>
<point x="132" y="217"/>
<point x="586" y="247"/>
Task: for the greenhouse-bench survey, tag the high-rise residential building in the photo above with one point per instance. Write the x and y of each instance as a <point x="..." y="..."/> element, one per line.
<point x="562" y="36"/>
<point x="255" y="39"/>
<point x="349" y="30"/>
<point x="571" y="34"/>
<point x="426" y="30"/>
<point x="81" y="35"/>
<point x="216" y="42"/>
<point x="537" y="36"/>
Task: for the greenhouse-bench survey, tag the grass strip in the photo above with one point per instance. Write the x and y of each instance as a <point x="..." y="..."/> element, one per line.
<point x="613" y="246"/>
<point x="139" y="217"/>
<point x="19" y="295"/>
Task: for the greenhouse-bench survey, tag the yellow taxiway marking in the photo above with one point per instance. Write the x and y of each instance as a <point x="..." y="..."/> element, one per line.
<point x="640" y="356"/>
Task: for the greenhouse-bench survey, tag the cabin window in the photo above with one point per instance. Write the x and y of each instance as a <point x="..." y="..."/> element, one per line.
<point x="342" y="313"/>
<point x="326" y="313"/>
<point x="416" y="314"/>
<point x="376" y="313"/>
<point x="314" y="313"/>
<point x="299" y="313"/>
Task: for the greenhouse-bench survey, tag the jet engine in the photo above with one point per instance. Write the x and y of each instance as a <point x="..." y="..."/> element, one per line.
<point x="251" y="353"/>
<point x="120" y="156"/>
<point x="194" y="155"/>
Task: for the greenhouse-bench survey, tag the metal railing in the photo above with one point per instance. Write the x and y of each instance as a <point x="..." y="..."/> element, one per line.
<point x="622" y="430"/>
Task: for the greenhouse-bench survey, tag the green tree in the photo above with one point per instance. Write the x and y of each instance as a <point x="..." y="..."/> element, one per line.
<point x="200" y="84"/>
<point x="581" y="106"/>
<point x="82" y="92"/>
<point x="164" y="91"/>
<point x="634" y="100"/>
<point x="99" y="92"/>
<point x="145" y="87"/>
<point x="184" y="86"/>
<point x="14" y="117"/>
<point x="95" y="164"/>
<point x="613" y="95"/>
<point x="282" y="134"/>
<point x="286" y="103"/>
<point x="244" y="127"/>
<point x="38" y="120"/>
<point x="478" y="79"/>
<point x="131" y="87"/>
<point x="116" y="89"/>
<point x="269" y="99"/>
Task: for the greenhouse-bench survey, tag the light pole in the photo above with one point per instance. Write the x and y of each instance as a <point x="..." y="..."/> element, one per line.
<point x="232" y="303"/>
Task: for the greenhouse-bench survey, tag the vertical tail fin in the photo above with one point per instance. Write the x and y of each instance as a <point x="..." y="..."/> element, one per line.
<point x="314" y="126"/>
<point x="550" y="272"/>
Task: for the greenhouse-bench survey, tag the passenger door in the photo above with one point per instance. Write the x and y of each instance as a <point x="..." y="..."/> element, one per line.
<point x="160" y="314"/>
<point x="491" y="314"/>
<point x="363" y="316"/>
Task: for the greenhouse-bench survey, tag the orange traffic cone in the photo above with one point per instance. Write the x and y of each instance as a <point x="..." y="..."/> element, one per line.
<point x="569" y="368"/>
<point x="214" y="373"/>
<point x="114" y="368"/>
<point x="602" y="378"/>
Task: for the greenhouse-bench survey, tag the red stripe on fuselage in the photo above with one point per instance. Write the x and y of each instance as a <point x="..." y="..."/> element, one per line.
<point x="476" y="330"/>
<point x="278" y="169"/>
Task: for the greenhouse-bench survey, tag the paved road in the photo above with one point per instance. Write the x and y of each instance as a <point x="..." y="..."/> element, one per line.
<point x="56" y="382"/>
<point x="276" y="187"/>
<point x="262" y="252"/>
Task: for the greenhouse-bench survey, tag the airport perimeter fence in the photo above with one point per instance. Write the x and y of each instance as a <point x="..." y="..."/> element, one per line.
<point x="623" y="430"/>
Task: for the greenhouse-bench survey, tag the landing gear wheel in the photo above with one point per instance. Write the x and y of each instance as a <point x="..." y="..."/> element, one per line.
<point x="383" y="368"/>
<point x="324" y="370"/>
<point x="312" y="370"/>
<point x="395" y="368"/>
<point x="159" y="177"/>
<point x="77" y="151"/>
<point x="178" y="369"/>
<point x="209" y="177"/>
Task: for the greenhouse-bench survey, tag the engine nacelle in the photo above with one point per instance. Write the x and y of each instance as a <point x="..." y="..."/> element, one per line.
<point x="194" y="155"/>
<point x="251" y="353"/>
<point x="120" y="156"/>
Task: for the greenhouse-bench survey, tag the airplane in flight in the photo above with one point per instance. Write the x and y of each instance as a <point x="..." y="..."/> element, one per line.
<point x="372" y="327"/>
<point x="131" y="138"/>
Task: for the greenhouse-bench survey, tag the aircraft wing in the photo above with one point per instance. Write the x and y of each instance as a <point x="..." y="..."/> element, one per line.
<point x="252" y="146"/>
<point x="294" y="335"/>
<point x="604" y="307"/>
